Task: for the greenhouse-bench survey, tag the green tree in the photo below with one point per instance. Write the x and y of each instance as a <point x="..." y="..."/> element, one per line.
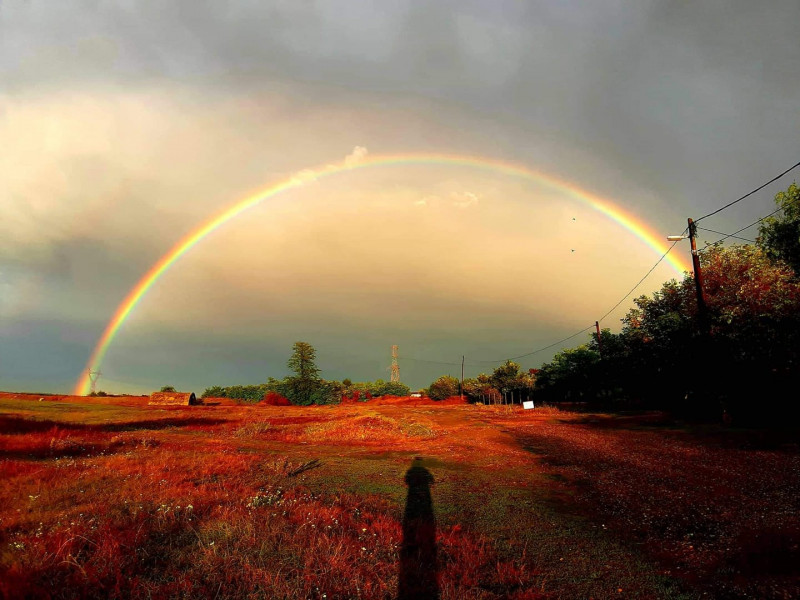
<point x="390" y="388"/>
<point x="168" y="388"/>
<point x="506" y="377"/>
<point x="444" y="387"/>
<point x="779" y="235"/>
<point x="568" y="377"/>
<point x="302" y="362"/>
<point x="480" y="389"/>
<point x="513" y="384"/>
<point x="304" y="387"/>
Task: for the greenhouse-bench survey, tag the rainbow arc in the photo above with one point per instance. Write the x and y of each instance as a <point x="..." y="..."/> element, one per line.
<point x="615" y="213"/>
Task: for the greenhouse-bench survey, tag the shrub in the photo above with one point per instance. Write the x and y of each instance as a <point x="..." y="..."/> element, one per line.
<point x="443" y="388"/>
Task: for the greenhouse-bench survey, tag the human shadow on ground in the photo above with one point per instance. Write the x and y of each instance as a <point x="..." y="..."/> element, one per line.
<point x="418" y="564"/>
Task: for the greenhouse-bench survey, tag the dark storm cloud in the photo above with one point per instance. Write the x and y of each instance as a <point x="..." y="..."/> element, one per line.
<point x="695" y="100"/>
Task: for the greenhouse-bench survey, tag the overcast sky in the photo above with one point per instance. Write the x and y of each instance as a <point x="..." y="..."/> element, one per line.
<point x="125" y="125"/>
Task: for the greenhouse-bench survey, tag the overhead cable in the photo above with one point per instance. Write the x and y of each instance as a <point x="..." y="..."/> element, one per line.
<point x="633" y="289"/>
<point x="537" y="350"/>
<point x="761" y="187"/>
<point x="756" y="222"/>
<point x="727" y="235"/>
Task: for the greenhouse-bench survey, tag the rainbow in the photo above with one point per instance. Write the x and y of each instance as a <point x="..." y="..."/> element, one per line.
<point x="606" y="207"/>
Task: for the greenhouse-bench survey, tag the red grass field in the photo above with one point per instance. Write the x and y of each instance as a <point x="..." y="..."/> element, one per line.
<point x="113" y="498"/>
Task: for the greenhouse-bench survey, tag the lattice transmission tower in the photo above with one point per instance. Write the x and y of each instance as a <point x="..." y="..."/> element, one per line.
<point x="395" y="367"/>
<point x="93" y="377"/>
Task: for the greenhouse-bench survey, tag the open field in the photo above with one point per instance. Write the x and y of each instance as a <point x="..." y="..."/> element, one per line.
<point x="110" y="497"/>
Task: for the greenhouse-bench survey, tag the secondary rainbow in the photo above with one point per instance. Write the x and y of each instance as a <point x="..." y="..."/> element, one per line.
<point x="630" y="222"/>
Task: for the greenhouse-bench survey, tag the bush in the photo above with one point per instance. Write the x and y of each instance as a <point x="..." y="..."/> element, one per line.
<point x="390" y="388"/>
<point x="443" y="388"/>
<point x="275" y="399"/>
<point x="245" y="393"/>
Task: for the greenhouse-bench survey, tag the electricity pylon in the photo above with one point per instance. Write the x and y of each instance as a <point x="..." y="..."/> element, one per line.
<point x="93" y="377"/>
<point x="395" y="367"/>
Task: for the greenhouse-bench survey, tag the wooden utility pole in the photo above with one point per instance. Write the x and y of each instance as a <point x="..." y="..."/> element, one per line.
<point x="702" y="309"/>
<point x="599" y="341"/>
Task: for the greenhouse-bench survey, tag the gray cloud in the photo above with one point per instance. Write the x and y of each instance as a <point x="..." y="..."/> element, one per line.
<point x="126" y="124"/>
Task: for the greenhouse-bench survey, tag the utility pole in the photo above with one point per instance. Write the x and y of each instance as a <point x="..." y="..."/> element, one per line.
<point x="599" y="341"/>
<point x="702" y="309"/>
<point x="461" y="389"/>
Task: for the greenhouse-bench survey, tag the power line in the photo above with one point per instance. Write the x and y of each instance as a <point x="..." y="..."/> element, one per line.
<point x="633" y="289"/>
<point x="537" y="350"/>
<point x="646" y="275"/>
<point x="761" y="187"/>
<point x="433" y="362"/>
<point x="727" y="235"/>
<point x="756" y="222"/>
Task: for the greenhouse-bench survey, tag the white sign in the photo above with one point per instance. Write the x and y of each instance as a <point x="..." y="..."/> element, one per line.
<point x="528" y="404"/>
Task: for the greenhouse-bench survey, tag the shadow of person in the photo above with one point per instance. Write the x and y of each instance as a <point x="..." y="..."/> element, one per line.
<point x="418" y="565"/>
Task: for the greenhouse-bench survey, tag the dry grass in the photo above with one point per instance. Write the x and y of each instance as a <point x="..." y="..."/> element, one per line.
<point x="104" y="500"/>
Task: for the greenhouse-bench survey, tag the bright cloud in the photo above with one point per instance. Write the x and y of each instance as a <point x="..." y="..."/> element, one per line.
<point x="464" y="199"/>
<point x="357" y="156"/>
<point x="304" y="176"/>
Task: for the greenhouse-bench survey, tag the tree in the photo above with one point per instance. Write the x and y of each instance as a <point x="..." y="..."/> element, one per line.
<point x="303" y="388"/>
<point x="779" y="236"/>
<point x="568" y="377"/>
<point x="480" y="389"/>
<point x="391" y="388"/>
<point x="511" y="382"/>
<point x="444" y="387"/>
<point x="506" y="377"/>
<point x="663" y="358"/>
<point x="168" y="388"/>
<point x="302" y="362"/>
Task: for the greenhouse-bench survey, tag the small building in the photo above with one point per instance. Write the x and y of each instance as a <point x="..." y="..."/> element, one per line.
<point x="173" y="398"/>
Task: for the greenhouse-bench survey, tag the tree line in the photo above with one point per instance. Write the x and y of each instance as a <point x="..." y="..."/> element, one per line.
<point x="305" y="387"/>
<point x="507" y="384"/>
<point x="738" y="359"/>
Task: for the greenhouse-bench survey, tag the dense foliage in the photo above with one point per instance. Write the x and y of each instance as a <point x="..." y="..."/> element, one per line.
<point x="444" y="387"/>
<point x="374" y="389"/>
<point x="247" y="393"/>
<point x="507" y="383"/>
<point x="742" y="361"/>
<point x="666" y="357"/>
<point x="779" y="236"/>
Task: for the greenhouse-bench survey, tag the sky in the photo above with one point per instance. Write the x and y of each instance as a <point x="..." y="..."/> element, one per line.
<point x="125" y="126"/>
